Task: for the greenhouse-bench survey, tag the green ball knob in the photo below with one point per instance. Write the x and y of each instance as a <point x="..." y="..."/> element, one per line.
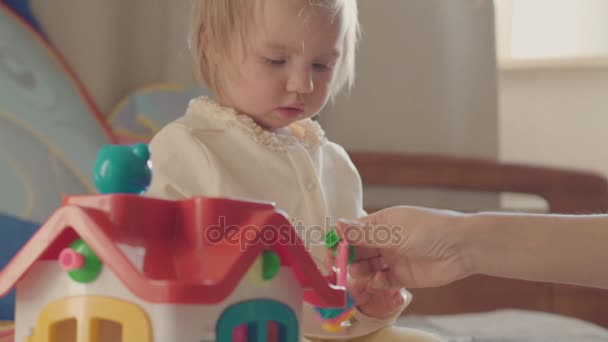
<point x="87" y="268"/>
<point x="271" y="264"/>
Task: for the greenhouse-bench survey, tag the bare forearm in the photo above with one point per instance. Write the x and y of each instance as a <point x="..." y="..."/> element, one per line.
<point x="549" y="248"/>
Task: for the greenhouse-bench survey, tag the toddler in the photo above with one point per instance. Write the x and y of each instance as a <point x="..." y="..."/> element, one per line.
<point x="272" y="65"/>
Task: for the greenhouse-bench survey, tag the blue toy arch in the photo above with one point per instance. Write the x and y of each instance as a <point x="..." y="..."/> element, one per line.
<point x="15" y="233"/>
<point x="24" y="10"/>
<point x="256" y="314"/>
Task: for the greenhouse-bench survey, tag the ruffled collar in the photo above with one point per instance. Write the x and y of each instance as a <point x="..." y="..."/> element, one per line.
<point x="304" y="132"/>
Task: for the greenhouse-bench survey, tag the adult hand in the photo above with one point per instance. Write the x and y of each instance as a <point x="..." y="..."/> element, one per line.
<point x="408" y="247"/>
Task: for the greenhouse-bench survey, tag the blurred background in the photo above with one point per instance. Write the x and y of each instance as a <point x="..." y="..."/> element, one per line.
<point x="483" y="105"/>
<point x="514" y="80"/>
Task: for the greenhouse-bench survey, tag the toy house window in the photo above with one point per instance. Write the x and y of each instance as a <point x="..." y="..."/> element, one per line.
<point x="256" y="321"/>
<point x="107" y="331"/>
<point x="64" y="331"/>
<point x="242" y="332"/>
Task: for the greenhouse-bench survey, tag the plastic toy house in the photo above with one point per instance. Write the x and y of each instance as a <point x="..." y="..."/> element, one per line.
<point x="132" y="268"/>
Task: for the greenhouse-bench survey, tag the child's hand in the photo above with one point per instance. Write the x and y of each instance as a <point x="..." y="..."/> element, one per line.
<point x="373" y="302"/>
<point x="369" y="298"/>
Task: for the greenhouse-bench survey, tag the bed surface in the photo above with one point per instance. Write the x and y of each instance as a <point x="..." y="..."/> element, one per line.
<point x="507" y="326"/>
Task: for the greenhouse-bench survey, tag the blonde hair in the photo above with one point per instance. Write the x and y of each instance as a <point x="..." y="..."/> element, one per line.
<point x="224" y="20"/>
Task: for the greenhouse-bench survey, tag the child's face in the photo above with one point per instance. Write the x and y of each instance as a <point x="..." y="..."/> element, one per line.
<point x="285" y="70"/>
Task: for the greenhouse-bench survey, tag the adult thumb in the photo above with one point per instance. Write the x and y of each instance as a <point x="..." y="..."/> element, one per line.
<point x="362" y="234"/>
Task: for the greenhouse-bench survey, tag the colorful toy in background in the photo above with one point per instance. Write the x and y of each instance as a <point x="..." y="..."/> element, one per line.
<point x="138" y="260"/>
<point x="142" y="113"/>
<point x="123" y="169"/>
<point x="50" y="131"/>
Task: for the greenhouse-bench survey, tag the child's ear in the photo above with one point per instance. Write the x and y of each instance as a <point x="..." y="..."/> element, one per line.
<point x="206" y="47"/>
<point x="203" y="40"/>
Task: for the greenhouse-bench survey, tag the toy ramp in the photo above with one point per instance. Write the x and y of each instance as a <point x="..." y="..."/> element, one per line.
<point x="141" y="114"/>
<point x="49" y="129"/>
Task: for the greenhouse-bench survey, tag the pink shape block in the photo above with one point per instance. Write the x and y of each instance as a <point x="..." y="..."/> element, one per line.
<point x="342" y="263"/>
<point x="71" y="260"/>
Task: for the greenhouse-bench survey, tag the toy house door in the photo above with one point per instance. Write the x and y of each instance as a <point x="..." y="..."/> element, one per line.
<point x="91" y="319"/>
<point x="257" y="315"/>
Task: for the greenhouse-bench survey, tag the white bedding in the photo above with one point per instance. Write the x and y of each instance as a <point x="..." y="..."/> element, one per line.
<point x="508" y="326"/>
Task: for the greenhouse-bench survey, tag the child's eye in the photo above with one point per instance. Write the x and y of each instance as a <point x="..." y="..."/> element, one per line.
<point x="278" y="61"/>
<point x="321" y="67"/>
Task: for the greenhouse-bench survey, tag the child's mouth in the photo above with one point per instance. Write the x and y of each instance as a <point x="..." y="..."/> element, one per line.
<point x="290" y="111"/>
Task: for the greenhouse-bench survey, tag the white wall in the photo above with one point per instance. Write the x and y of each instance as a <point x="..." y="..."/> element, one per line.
<point x="533" y="29"/>
<point x="426" y="79"/>
<point x="567" y="29"/>
<point x="553" y="79"/>
<point x="426" y="82"/>
<point x="117" y="46"/>
<point x="555" y="116"/>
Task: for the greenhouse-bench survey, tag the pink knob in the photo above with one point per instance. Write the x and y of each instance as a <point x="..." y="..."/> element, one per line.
<point x="342" y="262"/>
<point x="70" y="260"/>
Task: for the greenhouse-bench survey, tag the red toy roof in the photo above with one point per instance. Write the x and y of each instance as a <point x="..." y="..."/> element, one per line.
<point x="196" y="250"/>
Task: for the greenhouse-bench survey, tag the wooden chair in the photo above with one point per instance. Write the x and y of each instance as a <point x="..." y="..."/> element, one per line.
<point x="566" y="191"/>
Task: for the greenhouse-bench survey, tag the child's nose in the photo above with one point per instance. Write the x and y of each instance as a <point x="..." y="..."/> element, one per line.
<point x="300" y="81"/>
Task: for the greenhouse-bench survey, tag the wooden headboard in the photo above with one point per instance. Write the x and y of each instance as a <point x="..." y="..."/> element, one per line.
<point x="565" y="191"/>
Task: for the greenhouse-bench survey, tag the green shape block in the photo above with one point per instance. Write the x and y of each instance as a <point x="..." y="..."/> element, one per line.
<point x="332" y="239"/>
<point x="271" y="264"/>
<point x="92" y="265"/>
